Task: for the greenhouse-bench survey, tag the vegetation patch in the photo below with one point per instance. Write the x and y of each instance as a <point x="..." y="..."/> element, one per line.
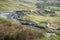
<point x="10" y="30"/>
<point x="54" y="8"/>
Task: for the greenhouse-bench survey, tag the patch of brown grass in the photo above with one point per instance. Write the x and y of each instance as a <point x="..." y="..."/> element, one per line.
<point x="10" y="30"/>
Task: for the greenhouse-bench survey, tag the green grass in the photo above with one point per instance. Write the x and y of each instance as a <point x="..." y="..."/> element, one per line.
<point x="52" y="38"/>
<point x="9" y="5"/>
<point x="55" y="38"/>
<point x="38" y="19"/>
<point x="54" y="8"/>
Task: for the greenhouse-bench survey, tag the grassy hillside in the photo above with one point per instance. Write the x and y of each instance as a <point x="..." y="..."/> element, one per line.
<point x="10" y="30"/>
<point x="7" y="5"/>
<point x="54" y="8"/>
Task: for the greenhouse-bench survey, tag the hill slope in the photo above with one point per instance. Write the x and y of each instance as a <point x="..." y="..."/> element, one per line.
<point x="12" y="31"/>
<point x="7" y="5"/>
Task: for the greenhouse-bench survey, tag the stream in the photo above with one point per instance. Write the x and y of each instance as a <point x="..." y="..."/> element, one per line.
<point x="7" y="16"/>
